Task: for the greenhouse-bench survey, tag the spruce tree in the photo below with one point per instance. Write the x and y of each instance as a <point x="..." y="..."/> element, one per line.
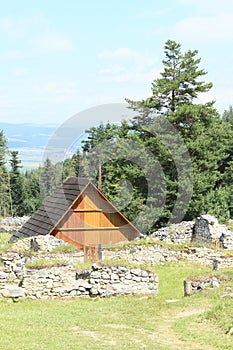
<point x="48" y="180"/>
<point x="5" y="195"/>
<point x="32" y="194"/>
<point x="16" y="182"/>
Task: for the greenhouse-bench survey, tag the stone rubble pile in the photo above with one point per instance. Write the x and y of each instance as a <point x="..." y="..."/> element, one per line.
<point x="175" y="233"/>
<point x="39" y="243"/>
<point x="12" y="224"/>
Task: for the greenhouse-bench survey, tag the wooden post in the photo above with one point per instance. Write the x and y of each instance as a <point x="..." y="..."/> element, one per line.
<point x="92" y="253"/>
<point x="85" y="250"/>
<point x="215" y="264"/>
<point x="99" y="252"/>
<point x="187" y="288"/>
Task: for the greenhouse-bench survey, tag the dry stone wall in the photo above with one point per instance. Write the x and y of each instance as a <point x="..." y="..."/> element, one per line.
<point x="16" y="280"/>
<point x="154" y="254"/>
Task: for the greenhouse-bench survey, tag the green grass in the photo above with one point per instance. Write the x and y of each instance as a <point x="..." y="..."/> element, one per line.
<point x="4" y="236"/>
<point x="197" y="322"/>
<point x="44" y="263"/>
<point x="66" y="248"/>
<point x="81" y="266"/>
<point x="230" y="225"/>
<point x="4" y="245"/>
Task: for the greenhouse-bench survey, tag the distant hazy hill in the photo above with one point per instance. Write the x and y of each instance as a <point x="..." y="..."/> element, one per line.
<point x="29" y="139"/>
<point x="27" y="135"/>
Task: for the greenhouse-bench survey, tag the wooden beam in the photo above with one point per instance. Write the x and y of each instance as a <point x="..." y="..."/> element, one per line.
<point x="87" y="229"/>
<point x="87" y="210"/>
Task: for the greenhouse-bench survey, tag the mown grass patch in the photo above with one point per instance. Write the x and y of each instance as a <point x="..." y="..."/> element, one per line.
<point x="169" y="321"/>
<point x="200" y="321"/>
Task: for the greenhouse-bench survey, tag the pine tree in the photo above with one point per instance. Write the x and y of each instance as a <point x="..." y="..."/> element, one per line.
<point x="200" y="126"/>
<point x="178" y="84"/>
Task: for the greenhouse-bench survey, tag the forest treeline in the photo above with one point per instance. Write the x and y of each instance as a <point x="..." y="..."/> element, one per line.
<point x="135" y="167"/>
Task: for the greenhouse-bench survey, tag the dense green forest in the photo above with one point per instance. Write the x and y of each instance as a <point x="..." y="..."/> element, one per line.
<point x="146" y="185"/>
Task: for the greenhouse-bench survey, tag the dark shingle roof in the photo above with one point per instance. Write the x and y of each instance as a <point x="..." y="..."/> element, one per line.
<point x="56" y="205"/>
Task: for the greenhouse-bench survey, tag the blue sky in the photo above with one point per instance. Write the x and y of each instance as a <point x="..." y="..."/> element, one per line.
<point x="60" y="57"/>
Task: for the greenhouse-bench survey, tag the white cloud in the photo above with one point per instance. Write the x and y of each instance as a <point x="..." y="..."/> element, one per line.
<point x="222" y="96"/>
<point x="10" y="28"/>
<point x="127" y="65"/>
<point x="23" y="27"/>
<point x="120" y="53"/>
<point x="56" y="91"/>
<point x="50" y="43"/>
<point x="208" y="5"/>
<point x="12" y="54"/>
<point x="32" y="35"/>
<point x="218" y="27"/>
<point x="151" y="13"/>
<point x="21" y="72"/>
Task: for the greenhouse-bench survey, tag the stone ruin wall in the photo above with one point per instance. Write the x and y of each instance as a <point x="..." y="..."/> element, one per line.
<point x="154" y="253"/>
<point x="206" y="229"/>
<point x="16" y="280"/>
<point x="65" y="281"/>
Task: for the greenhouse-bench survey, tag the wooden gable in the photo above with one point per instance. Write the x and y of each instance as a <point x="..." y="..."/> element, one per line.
<point x="93" y="220"/>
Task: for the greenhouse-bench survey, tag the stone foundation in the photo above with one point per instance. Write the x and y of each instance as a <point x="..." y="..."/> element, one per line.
<point x="17" y="280"/>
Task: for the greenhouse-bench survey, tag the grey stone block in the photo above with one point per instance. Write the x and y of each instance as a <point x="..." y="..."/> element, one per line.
<point x="13" y="291"/>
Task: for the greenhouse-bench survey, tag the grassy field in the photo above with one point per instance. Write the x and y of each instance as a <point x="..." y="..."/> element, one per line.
<point x="168" y="321"/>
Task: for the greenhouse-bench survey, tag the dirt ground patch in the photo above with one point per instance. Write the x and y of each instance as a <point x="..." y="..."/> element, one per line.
<point x="187" y="313"/>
